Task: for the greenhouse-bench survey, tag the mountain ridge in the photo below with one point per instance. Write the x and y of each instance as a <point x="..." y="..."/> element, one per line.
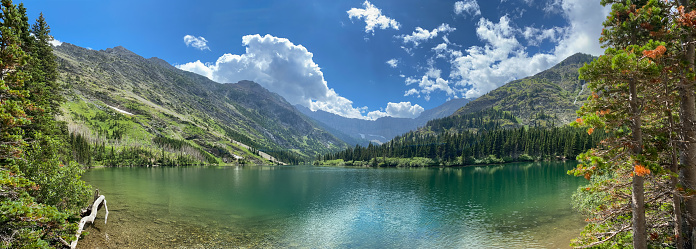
<point x="222" y="120"/>
<point x="546" y="97"/>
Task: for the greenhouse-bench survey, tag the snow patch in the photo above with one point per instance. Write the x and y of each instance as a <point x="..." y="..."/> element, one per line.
<point x="121" y="111"/>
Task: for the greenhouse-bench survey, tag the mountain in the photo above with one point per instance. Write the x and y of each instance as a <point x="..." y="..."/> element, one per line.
<point x="118" y="99"/>
<point x="550" y="97"/>
<point x="360" y="131"/>
<point x="444" y="110"/>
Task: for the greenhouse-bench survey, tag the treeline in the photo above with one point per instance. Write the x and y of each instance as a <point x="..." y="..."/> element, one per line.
<point x="489" y="119"/>
<point x="488" y="146"/>
<point x="104" y="149"/>
<point x="166" y="152"/>
<point x="285" y="156"/>
<point x="40" y="188"/>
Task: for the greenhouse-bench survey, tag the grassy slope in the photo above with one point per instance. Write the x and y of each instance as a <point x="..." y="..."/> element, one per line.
<point x="167" y="102"/>
<point x="547" y="97"/>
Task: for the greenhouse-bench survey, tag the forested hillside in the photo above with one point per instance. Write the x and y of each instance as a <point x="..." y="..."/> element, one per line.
<point x="483" y="137"/>
<point x="123" y="109"/>
<point x="552" y="96"/>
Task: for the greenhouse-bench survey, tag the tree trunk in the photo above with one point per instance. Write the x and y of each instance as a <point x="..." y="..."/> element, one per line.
<point x="640" y="236"/>
<point x="688" y="148"/>
<point x="688" y="117"/>
<point x="674" y="179"/>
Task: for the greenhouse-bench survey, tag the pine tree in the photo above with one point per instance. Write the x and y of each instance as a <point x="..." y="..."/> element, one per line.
<point x="13" y="99"/>
<point x="39" y="191"/>
<point x="637" y="68"/>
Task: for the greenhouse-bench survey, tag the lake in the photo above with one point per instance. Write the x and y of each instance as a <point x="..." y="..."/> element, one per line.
<point x="500" y="206"/>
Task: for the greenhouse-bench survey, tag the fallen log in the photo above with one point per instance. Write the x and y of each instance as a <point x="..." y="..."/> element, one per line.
<point x="98" y="202"/>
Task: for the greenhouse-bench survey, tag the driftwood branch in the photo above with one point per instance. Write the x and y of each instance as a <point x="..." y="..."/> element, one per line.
<point x="98" y="202"/>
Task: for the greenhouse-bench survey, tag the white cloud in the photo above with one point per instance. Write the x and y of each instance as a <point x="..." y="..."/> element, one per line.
<point x="197" y="42"/>
<point x="373" y="18"/>
<point x="441" y="47"/>
<point x="393" y="63"/>
<point x="429" y="83"/>
<point x="282" y="67"/>
<point x="422" y="35"/>
<point x="412" y="91"/>
<point x="55" y="42"/>
<point x="441" y="50"/>
<point x="585" y="27"/>
<point x="411" y="80"/>
<point x="503" y="55"/>
<point x="398" y="110"/>
<point x="471" y="7"/>
<point x="374" y="115"/>
<point x="535" y="36"/>
<point x="554" y="7"/>
<point x="404" y="110"/>
<point x="501" y="60"/>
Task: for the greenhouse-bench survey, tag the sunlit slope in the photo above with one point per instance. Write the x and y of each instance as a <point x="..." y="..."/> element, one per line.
<point x="115" y="91"/>
<point x="550" y="97"/>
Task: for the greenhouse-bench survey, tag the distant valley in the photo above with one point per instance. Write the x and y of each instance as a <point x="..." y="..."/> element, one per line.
<point x="383" y="129"/>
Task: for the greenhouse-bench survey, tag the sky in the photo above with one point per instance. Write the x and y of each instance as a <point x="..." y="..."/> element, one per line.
<point x="355" y="58"/>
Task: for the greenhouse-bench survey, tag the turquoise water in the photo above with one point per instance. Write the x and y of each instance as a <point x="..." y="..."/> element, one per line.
<point x="504" y="206"/>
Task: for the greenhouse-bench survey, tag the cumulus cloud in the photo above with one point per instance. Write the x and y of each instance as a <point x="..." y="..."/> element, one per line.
<point x="199" y="43"/>
<point x="282" y="67"/>
<point x="398" y="110"/>
<point x="585" y="27"/>
<point x="553" y="6"/>
<point x="503" y="55"/>
<point x="430" y="82"/>
<point x="55" y="42"/>
<point x="535" y="36"/>
<point x="485" y="68"/>
<point x="393" y="63"/>
<point x="412" y="91"/>
<point x="441" y="50"/>
<point x="471" y="7"/>
<point x="373" y="18"/>
<point x="422" y="35"/>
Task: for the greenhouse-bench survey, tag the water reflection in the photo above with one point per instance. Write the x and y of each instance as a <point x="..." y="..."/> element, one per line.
<point x="303" y="206"/>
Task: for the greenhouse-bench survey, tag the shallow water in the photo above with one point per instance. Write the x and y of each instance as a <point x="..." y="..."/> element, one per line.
<point x="510" y="206"/>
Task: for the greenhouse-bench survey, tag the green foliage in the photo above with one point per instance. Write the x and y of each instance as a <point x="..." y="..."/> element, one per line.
<point x="58" y="183"/>
<point x="40" y="188"/>
<point x="549" y="98"/>
<point x="633" y="96"/>
<point x="456" y="145"/>
<point x="15" y="101"/>
<point x="170" y="103"/>
<point x="490" y="119"/>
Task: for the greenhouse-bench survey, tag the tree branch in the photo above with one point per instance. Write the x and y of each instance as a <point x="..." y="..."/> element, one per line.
<point x="93" y="215"/>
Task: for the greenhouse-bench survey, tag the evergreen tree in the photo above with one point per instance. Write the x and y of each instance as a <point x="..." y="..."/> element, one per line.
<point x="40" y="192"/>
<point x="645" y="66"/>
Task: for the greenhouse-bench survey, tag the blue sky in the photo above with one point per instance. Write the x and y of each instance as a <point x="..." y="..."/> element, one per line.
<point x="356" y="58"/>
